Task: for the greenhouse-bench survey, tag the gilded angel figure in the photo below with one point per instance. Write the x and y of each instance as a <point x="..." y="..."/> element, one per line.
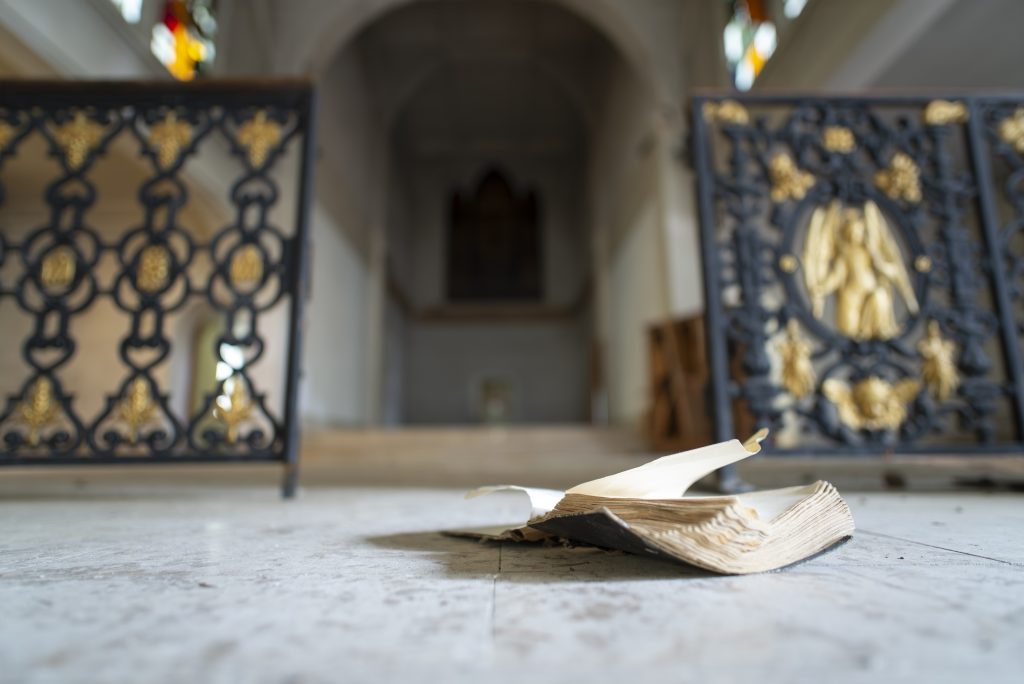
<point x="851" y="253"/>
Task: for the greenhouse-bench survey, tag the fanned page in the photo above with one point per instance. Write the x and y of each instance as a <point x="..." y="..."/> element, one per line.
<point x="753" y="532"/>
<point x="665" y="478"/>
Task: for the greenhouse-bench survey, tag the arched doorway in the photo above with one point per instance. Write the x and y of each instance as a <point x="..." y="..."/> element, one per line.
<point x="434" y="103"/>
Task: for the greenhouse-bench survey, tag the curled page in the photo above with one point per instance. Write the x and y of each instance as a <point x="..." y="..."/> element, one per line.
<point x="670" y="476"/>
<point x="542" y="502"/>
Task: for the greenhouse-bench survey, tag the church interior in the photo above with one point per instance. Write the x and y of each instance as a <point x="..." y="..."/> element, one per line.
<point x="281" y="280"/>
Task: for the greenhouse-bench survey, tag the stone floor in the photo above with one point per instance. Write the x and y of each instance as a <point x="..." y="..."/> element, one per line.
<point x="118" y="581"/>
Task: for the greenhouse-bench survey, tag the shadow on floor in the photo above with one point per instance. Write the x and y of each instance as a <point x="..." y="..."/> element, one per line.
<point x="534" y="562"/>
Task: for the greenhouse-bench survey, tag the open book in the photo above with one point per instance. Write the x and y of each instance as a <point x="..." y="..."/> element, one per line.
<point x="643" y="510"/>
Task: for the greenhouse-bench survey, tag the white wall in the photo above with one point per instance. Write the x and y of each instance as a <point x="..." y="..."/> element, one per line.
<point x="628" y="214"/>
<point x="637" y="301"/>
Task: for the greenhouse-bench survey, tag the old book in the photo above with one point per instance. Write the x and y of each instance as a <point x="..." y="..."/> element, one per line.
<point x="645" y="511"/>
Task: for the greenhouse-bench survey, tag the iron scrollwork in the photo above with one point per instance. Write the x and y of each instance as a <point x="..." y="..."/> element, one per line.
<point x="863" y="292"/>
<point x="252" y="265"/>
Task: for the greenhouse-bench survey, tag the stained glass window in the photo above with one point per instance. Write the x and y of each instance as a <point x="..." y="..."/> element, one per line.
<point x="183" y="37"/>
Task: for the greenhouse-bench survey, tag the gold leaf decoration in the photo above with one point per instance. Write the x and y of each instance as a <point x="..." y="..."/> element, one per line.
<point x="1011" y="130"/>
<point x="727" y="112"/>
<point x="78" y="137"/>
<point x="902" y="180"/>
<point x="169" y="137"/>
<point x="154" y="269"/>
<point x="58" y="267"/>
<point x="944" y="112"/>
<point x="872" y="403"/>
<point x="233" y="409"/>
<point x="922" y="264"/>
<point x="137" y="408"/>
<point x="6" y="133"/>
<point x="39" y="408"/>
<point x="246" y="267"/>
<point x="838" y="139"/>
<point x="798" y="376"/>
<point x="939" y="368"/>
<point x="788" y="180"/>
<point x="788" y="263"/>
<point x="258" y="136"/>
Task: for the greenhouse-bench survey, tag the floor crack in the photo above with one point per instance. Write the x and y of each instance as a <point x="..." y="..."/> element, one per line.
<point x="935" y="546"/>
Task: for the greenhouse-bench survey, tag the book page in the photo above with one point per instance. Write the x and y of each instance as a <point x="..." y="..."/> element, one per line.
<point x="541" y="502"/>
<point x="670" y="476"/>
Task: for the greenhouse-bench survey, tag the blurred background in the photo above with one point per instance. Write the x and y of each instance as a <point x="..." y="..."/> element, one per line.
<point x="503" y="216"/>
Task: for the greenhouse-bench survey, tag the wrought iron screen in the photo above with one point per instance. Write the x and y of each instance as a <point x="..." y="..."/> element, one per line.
<point x="864" y="270"/>
<point x="111" y="229"/>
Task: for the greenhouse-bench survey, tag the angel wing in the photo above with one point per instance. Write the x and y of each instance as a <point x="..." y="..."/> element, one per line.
<point x="884" y="249"/>
<point x="838" y="392"/>
<point x="819" y="248"/>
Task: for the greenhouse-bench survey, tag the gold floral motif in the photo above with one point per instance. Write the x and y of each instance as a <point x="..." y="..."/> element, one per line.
<point x="788" y="180"/>
<point x="136" y="409"/>
<point x="1011" y="130"/>
<point x="154" y="269"/>
<point x="798" y="375"/>
<point x="727" y="112"/>
<point x="944" y="112"/>
<point x="939" y="369"/>
<point x="923" y="264"/>
<point x="872" y="403"/>
<point x="233" y="409"/>
<point x="39" y="408"/>
<point x="78" y="138"/>
<point x="902" y="180"/>
<point x="6" y="133"/>
<point x="246" y="266"/>
<point x="258" y="136"/>
<point x="788" y="263"/>
<point x="58" y="267"/>
<point x="169" y="137"/>
<point x="850" y="253"/>
<point x="838" y="139"/>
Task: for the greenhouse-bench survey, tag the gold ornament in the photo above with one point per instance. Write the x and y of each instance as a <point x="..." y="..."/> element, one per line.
<point x="788" y="180"/>
<point x="902" y="180"/>
<point x="169" y="137"/>
<point x="788" y="263"/>
<point x="233" y="409"/>
<point x="6" y="133"/>
<point x="871" y="403"/>
<point x="944" y="112"/>
<point x="246" y="266"/>
<point x="1011" y="130"/>
<point x="154" y="269"/>
<point x="137" y="408"/>
<point x="39" y="408"/>
<point x="798" y="375"/>
<point x="727" y="112"/>
<point x="58" y="267"/>
<point x="78" y="138"/>
<point x="922" y="264"/>
<point x="258" y="136"/>
<point x="838" y="139"/>
<point x="851" y="253"/>
<point x="939" y="369"/>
